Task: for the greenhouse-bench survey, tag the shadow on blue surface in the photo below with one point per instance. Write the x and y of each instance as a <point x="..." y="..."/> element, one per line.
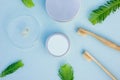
<point x="42" y="3"/>
<point x="48" y="32"/>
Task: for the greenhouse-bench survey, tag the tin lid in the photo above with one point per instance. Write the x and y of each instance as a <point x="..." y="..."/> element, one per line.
<point x="62" y="10"/>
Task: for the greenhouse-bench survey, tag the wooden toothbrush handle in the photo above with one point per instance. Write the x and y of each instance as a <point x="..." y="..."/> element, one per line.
<point x="102" y="67"/>
<point x="105" y="70"/>
<point x="103" y="40"/>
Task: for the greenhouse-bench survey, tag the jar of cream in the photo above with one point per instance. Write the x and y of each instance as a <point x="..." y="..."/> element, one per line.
<point x="58" y="44"/>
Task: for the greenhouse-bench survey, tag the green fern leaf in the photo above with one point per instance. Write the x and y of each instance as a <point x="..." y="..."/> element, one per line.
<point x="12" y="68"/>
<point x="66" y="72"/>
<point x="28" y="3"/>
<point x="100" y="14"/>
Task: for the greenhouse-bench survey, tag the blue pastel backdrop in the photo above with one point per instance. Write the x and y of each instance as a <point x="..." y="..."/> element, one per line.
<point x="39" y="64"/>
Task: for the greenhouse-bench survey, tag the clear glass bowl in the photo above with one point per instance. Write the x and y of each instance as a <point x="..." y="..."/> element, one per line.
<point x="23" y="31"/>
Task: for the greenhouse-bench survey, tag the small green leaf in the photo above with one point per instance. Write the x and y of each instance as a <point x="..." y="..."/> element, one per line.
<point x="28" y="3"/>
<point x="66" y="72"/>
<point x="12" y="68"/>
<point x="102" y="12"/>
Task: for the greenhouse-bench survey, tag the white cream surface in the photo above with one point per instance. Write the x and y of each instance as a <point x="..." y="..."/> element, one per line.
<point x="58" y="45"/>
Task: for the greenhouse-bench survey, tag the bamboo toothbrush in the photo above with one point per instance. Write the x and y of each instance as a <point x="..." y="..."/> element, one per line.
<point x="103" y="40"/>
<point x="89" y="57"/>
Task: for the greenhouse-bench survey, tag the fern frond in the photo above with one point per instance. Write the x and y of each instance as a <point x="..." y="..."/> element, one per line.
<point x="12" y="68"/>
<point x="66" y="72"/>
<point x="100" y="14"/>
<point x="28" y="3"/>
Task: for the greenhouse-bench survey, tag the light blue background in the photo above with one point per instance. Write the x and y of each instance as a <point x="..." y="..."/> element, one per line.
<point x="39" y="64"/>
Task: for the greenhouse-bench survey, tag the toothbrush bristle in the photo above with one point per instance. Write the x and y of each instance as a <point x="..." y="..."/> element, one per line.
<point x="82" y="32"/>
<point x="87" y="56"/>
